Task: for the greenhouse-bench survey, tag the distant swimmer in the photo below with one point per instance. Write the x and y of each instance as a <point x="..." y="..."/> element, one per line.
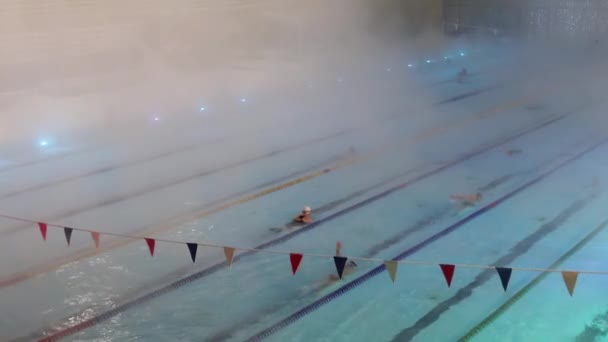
<point x="467" y="200"/>
<point x="513" y="151"/>
<point x="304" y="216"/>
<point x="462" y="75"/>
<point x="349" y="155"/>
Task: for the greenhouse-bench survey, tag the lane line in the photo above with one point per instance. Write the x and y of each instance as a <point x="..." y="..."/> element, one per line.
<point x="110" y="168"/>
<point x="212" y="208"/>
<point x="218" y="266"/>
<point x="469" y="94"/>
<point x="256" y="317"/>
<point x="171" y="183"/>
<point x="394" y="239"/>
<point x="492" y="317"/>
<point x="45" y="159"/>
<point x="197" y="145"/>
<point x="89" y="149"/>
<point x="178" y="181"/>
<point x="308" y="309"/>
<point x="521" y="247"/>
<point x="165" y="226"/>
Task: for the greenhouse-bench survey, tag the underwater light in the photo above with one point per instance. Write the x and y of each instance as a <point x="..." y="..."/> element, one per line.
<point x="243" y="99"/>
<point x="462" y="54"/>
<point x="428" y="61"/>
<point x="43" y="143"/>
<point x="202" y="109"/>
<point x="157" y="119"/>
<point x="410" y="65"/>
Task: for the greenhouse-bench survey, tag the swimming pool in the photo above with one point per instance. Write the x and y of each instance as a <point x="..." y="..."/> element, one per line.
<point x="394" y="202"/>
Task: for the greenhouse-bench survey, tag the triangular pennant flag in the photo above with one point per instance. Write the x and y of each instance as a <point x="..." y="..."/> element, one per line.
<point x="391" y="267"/>
<point x="229" y="253"/>
<point x="505" y="275"/>
<point x="340" y="263"/>
<point x="68" y="234"/>
<point x="295" y="260"/>
<point x="95" y="236"/>
<point x="570" y="280"/>
<point x="151" y="243"/>
<point x="448" y="272"/>
<point x="42" y="227"/>
<point x="192" y="247"/>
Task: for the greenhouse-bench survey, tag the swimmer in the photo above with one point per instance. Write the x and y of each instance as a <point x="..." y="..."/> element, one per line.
<point x="298" y="221"/>
<point x="467" y="200"/>
<point x="331" y="279"/>
<point x="304" y="217"/>
<point x="348" y="269"/>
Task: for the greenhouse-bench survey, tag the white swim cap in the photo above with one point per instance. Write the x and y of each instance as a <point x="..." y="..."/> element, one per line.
<point x="306" y="209"/>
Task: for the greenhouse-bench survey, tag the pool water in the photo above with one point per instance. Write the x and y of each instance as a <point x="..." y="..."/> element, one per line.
<point x="537" y="204"/>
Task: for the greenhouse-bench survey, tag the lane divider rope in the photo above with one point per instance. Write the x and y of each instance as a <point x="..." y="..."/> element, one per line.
<point x="216" y="267"/>
<point x="308" y="309"/>
<point x="89" y="252"/>
<point x="491" y="318"/>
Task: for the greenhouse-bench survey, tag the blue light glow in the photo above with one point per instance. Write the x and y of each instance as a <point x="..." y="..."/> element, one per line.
<point x="462" y="54"/>
<point x="243" y="99"/>
<point x="428" y="61"/>
<point x="410" y="65"/>
<point x="43" y="143"/>
<point x="202" y="109"/>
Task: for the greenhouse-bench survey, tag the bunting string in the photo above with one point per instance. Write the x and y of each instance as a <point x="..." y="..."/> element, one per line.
<point x="448" y="269"/>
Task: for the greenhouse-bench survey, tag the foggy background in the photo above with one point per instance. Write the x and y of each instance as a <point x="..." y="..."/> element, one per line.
<point x="69" y="65"/>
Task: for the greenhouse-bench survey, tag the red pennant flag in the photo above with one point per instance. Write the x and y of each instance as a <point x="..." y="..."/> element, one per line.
<point x="95" y="236"/>
<point x="448" y="272"/>
<point x="68" y="234"/>
<point x="151" y="243"/>
<point x="295" y="260"/>
<point x="42" y="227"/>
<point x="192" y="247"/>
<point x="340" y="263"/>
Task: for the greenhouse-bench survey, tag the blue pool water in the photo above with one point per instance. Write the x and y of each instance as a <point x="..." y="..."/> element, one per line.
<point x="417" y="153"/>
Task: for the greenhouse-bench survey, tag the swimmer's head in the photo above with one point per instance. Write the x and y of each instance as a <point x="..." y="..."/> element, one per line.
<point x="306" y="210"/>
